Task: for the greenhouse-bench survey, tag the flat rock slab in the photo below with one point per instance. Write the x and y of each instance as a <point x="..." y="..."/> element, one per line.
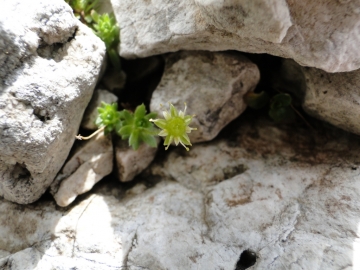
<point x="50" y="63"/>
<point x="289" y="195"/>
<point x="211" y="84"/>
<point x="90" y="162"/>
<point x="322" y="34"/>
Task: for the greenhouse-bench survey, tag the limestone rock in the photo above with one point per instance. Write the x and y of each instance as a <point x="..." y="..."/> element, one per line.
<point x="46" y="83"/>
<point x="333" y="98"/>
<point x="90" y="162"/>
<point x="211" y="84"/>
<point x="129" y="162"/>
<point x="294" y="203"/>
<point x="322" y="34"/>
<point x="27" y="25"/>
<point x="91" y="113"/>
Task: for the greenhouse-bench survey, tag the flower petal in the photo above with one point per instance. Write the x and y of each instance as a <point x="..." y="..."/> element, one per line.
<point x="161" y="123"/>
<point x="188" y="119"/>
<point x="187" y="149"/>
<point x="167" y="115"/>
<point x="185" y="139"/>
<point x="173" y="111"/>
<point x="177" y="140"/>
<point x="189" y="129"/>
<point x="168" y="141"/>
<point x="163" y="133"/>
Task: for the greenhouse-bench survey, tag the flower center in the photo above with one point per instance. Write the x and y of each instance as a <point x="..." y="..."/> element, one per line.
<point x="176" y="126"/>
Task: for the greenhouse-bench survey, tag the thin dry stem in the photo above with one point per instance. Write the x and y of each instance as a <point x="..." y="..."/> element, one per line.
<point x="79" y="137"/>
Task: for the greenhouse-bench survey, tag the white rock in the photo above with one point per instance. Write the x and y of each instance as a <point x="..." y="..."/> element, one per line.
<point x="46" y="86"/>
<point x="129" y="162"/>
<point x="26" y="25"/>
<point x="91" y="162"/>
<point x="322" y="34"/>
<point x="91" y="113"/>
<point x="296" y="206"/>
<point x="211" y="84"/>
<point x="333" y="98"/>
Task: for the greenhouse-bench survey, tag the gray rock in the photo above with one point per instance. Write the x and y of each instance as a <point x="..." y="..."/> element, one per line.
<point x="322" y="34"/>
<point x="91" y="113"/>
<point x="129" y="162"/>
<point x="333" y="98"/>
<point x="211" y="84"/>
<point x="26" y="25"/>
<point x="294" y="203"/>
<point x="44" y="93"/>
<point x="90" y="163"/>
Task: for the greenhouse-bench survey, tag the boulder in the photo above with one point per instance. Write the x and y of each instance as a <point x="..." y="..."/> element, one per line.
<point x="211" y="84"/>
<point x="49" y="69"/>
<point x="322" y="34"/>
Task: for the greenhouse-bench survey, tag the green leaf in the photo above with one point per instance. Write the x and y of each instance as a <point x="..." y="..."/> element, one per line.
<point x="282" y="114"/>
<point x="140" y="111"/>
<point x="95" y="16"/>
<point x="151" y="115"/>
<point x="280" y="100"/>
<point x="134" y="140"/>
<point x="149" y="140"/>
<point x="125" y="131"/>
<point x="128" y="116"/>
<point x="256" y="100"/>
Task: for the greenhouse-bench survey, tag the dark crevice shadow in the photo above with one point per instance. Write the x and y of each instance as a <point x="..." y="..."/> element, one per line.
<point x="246" y="260"/>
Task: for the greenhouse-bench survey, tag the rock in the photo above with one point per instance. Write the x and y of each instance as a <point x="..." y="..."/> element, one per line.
<point x="26" y="26"/>
<point x="90" y="163"/>
<point x="47" y="81"/>
<point x="330" y="97"/>
<point x="294" y="204"/>
<point x="322" y="34"/>
<point x="211" y="84"/>
<point x="129" y="162"/>
<point x="275" y="192"/>
<point x="91" y="113"/>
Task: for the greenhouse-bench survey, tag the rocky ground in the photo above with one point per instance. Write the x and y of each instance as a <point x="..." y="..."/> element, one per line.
<point x="250" y="194"/>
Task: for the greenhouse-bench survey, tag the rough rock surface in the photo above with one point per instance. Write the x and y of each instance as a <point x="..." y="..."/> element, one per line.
<point x="91" y="113"/>
<point x="211" y="84"/>
<point x="333" y="98"/>
<point x="288" y="194"/>
<point x="46" y="81"/>
<point x="88" y="165"/>
<point x="322" y="34"/>
<point x="129" y="162"/>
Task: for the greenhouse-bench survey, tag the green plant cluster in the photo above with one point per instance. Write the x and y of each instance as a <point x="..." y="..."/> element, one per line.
<point x="104" y="26"/>
<point x="107" y="30"/>
<point x="280" y="105"/>
<point x="137" y="127"/>
<point x="134" y="126"/>
<point x="82" y="9"/>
